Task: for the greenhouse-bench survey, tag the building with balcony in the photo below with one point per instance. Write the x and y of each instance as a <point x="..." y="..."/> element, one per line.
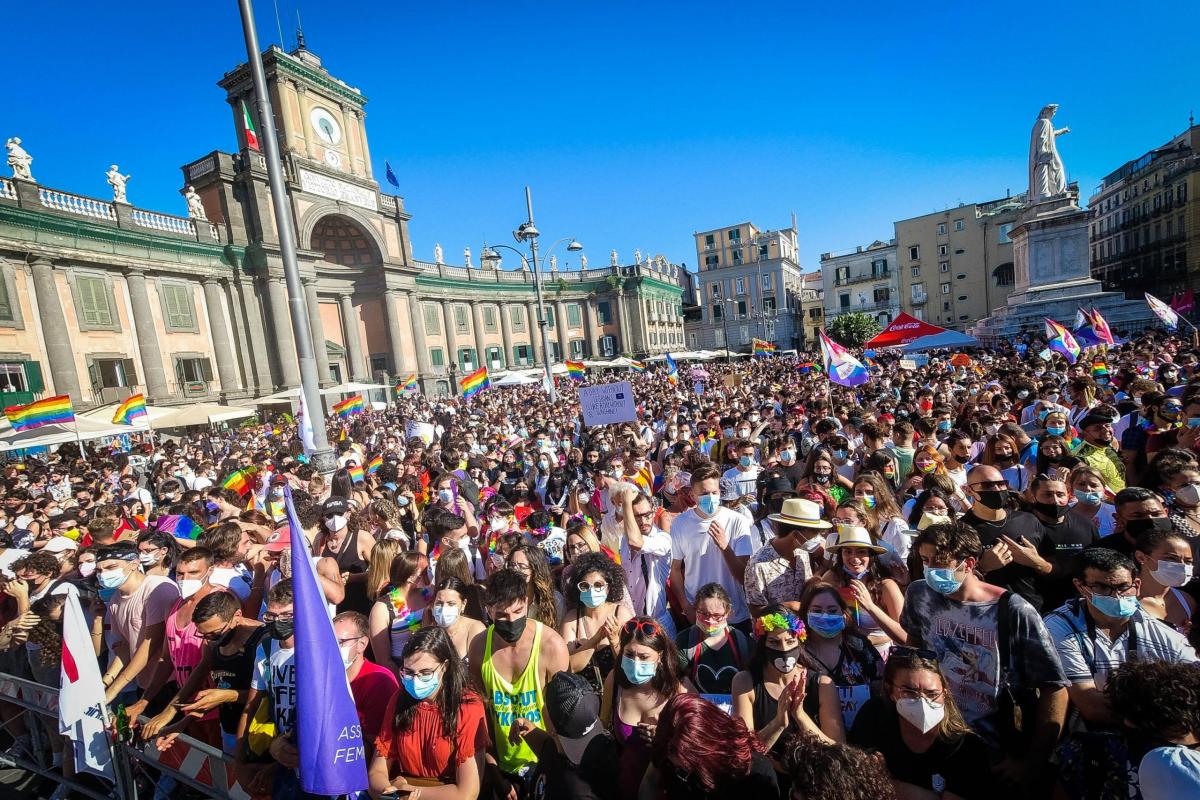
<point x="957" y="264"/>
<point x="748" y="284"/>
<point x="1144" y="231"/>
<point x="101" y="299"/>
<point x="863" y="279"/>
<point x="812" y="310"/>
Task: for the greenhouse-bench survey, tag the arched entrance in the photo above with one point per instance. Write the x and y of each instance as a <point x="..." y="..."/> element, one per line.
<point x="343" y="241"/>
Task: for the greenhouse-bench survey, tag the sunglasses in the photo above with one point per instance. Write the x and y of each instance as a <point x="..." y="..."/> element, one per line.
<point x="647" y="627"/>
<point x="598" y="586"/>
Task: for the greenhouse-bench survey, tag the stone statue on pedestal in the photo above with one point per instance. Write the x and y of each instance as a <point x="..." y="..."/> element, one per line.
<point x="637" y="256"/>
<point x="582" y="261"/>
<point x="437" y="253"/>
<point x="18" y="159"/>
<point x="613" y="259"/>
<point x="195" y="207"/>
<point x="117" y="181"/>
<point x="1047" y="176"/>
<point x="467" y="257"/>
<point x="554" y="263"/>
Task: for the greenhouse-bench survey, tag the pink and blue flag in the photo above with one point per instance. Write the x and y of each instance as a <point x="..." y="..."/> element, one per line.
<point x="1061" y="341"/>
<point x="841" y="367"/>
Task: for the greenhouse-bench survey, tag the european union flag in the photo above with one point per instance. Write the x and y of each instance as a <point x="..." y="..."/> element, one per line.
<point x="391" y="176"/>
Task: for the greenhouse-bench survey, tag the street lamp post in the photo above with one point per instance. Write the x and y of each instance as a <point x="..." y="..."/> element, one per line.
<point x="725" y="310"/>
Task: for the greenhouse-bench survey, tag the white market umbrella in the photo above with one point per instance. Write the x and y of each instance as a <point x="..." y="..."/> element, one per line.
<point x="104" y="414"/>
<point x="353" y="387"/>
<point x="59" y="433"/>
<point x="515" y="379"/>
<point x="204" y="414"/>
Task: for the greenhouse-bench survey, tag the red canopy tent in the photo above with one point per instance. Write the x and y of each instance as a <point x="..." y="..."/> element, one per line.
<point x="905" y="329"/>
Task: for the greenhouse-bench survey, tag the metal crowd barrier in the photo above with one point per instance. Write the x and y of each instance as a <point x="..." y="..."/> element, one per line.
<point x="189" y="761"/>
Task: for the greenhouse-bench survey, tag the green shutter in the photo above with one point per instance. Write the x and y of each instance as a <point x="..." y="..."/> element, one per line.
<point x="206" y="369"/>
<point x="33" y="377"/>
<point x="432" y="325"/>
<point x="93" y="297"/>
<point x="6" y="310"/>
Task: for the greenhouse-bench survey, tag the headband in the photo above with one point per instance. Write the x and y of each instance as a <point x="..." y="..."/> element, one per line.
<point x="780" y="620"/>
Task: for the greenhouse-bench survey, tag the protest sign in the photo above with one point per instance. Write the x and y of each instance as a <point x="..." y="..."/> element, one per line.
<point x="607" y="403"/>
<point x="422" y="430"/>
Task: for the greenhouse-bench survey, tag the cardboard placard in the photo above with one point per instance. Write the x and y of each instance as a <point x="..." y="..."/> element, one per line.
<point x="608" y="403"/>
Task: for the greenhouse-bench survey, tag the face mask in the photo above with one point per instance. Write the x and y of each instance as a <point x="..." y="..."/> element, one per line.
<point x="812" y="545"/>
<point x="336" y="522"/>
<point x="991" y="429"/>
<point x="87" y="568"/>
<point x="347" y="657"/>
<point x="708" y="504"/>
<point x="147" y="559"/>
<point x="277" y="492"/>
<point x="746" y="461"/>
<point x="1115" y="607"/>
<point x="943" y="580"/>
<point x="445" y="496"/>
<point x="280" y="629"/>
<point x="510" y="630"/>
<point x="744" y="433"/>
<point x="1088" y="498"/>
<point x="841" y="455"/>
<point x="1188" y="495"/>
<point x="787" y="457"/>
<point x="1138" y="527"/>
<point x="1052" y="510"/>
<point x="638" y="672"/>
<point x="713" y="630"/>
<point x="921" y="713"/>
<point x="1056" y="430"/>
<point x="868" y="500"/>
<point x="1172" y="573"/>
<point x="592" y="598"/>
<point x="995" y="500"/>
<point x="112" y="578"/>
<point x="927" y="468"/>
<point x="498" y="524"/>
<point x="783" y="660"/>
<point x="445" y="616"/>
<point x="821" y="478"/>
<point x="827" y="625"/>
<point x="419" y="687"/>
<point x="728" y="432"/>
<point x="188" y="587"/>
<point x="106" y="594"/>
<point x="402" y="501"/>
<point x="945" y="425"/>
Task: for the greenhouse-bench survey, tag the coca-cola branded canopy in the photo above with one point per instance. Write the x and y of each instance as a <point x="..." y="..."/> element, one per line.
<point x="905" y="329"/>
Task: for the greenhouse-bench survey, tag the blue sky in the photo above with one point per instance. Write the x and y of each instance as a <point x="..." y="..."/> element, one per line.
<point x="635" y="123"/>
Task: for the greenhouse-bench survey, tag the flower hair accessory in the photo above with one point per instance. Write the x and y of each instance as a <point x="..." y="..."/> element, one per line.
<point x="583" y="518"/>
<point x="780" y="620"/>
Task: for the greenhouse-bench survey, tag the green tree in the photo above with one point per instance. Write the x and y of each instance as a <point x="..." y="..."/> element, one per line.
<point x="853" y="329"/>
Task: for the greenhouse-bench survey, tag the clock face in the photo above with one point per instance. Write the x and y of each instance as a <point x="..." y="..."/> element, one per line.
<point x="326" y="126"/>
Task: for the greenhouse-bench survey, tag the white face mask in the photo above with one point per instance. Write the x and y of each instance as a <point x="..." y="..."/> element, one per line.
<point x="87" y="568"/>
<point x="497" y="524"/>
<point x="336" y="522"/>
<point x="812" y="545"/>
<point x="921" y="713"/>
<point x="147" y="559"/>
<point x="1172" y="573"/>
<point x="445" y="616"/>
<point x="347" y="658"/>
<point x="188" y="587"/>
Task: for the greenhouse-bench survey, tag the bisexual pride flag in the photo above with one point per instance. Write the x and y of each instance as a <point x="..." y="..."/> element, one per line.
<point x="179" y="526"/>
<point x="841" y="367"/>
<point x="475" y="383"/>
<point x="41" y="412"/>
<point x="576" y="370"/>
<point x="133" y="407"/>
<point x="350" y="407"/>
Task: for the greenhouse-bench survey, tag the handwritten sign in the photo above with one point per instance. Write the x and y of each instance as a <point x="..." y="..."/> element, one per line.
<point x="608" y="403"/>
<point x="422" y="430"/>
<point x="907" y="363"/>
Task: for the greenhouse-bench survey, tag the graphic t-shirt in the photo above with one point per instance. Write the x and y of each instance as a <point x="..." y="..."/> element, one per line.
<point x="277" y="674"/>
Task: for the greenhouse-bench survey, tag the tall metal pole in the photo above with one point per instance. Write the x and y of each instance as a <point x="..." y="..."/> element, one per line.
<point x="548" y="358"/>
<point x="323" y="459"/>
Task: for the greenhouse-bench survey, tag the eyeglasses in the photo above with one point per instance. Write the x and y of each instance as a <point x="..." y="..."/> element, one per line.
<point x="1108" y="590"/>
<point x="347" y="640"/>
<point x="648" y="515"/>
<point x="424" y="674"/>
<point x="215" y="635"/>
<point x="912" y="693"/>
<point x="647" y="627"/>
<point x="598" y="586"/>
<point x="520" y="567"/>
<point x="269" y="617"/>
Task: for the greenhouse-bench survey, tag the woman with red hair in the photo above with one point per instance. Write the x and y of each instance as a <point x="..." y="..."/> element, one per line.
<point x="699" y="751"/>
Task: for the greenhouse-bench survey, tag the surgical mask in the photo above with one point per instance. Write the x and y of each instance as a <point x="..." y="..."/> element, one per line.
<point x="812" y="545"/>
<point x="445" y="616"/>
<point x="112" y="578"/>
<point x="188" y="587"/>
<point x="445" y="496"/>
<point x="827" y="625"/>
<point x="787" y="456"/>
<point x="147" y="559"/>
<point x="347" y="658"/>
<point x="1115" y="607"/>
<point x="991" y="429"/>
<point x="841" y="455"/>
<point x="638" y="672"/>
<point x="993" y="499"/>
<point x="945" y="425"/>
<point x="784" y="660"/>
<point x="336" y="522"/>
<point x="943" y="580"/>
<point x="728" y="432"/>
<point x="1172" y="573"/>
<point x="1088" y="498"/>
<point x="510" y="630"/>
<point x="87" y="568"/>
<point x="1188" y="494"/>
<point x="402" y="501"/>
<point x="420" y="687"/>
<point x="708" y="503"/>
<point x="868" y="500"/>
<point x="928" y="518"/>
<point x="920" y="712"/>
<point x="593" y="598"/>
<point x="746" y="461"/>
<point x="744" y="433"/>
<point x="1055" y="430"/>
<point x="498" y="524"/>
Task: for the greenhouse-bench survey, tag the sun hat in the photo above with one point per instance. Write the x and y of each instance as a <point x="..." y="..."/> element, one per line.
<point x="854" y="536"/>
<point x="800" y="512"/>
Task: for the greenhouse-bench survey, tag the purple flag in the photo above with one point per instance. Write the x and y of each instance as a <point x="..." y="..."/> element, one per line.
<point x="328" y="734"/>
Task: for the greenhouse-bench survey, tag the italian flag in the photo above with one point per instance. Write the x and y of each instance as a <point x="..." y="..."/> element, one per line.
<point x="248" y="127"/>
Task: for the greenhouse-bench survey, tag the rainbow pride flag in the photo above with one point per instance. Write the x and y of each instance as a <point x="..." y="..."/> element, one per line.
<point x="356" y="473"/>
<point x="764" y="348"/>
<point x="179" y="526"/>
<point x="409" y="384"/>
<point x="1099" y="369"/>
<point x="41" y="412"/>
<point x="637" y="366"/>
<point x="241" y="481"/>
<point x="1062" y="341"/>
<point x="374" y="464"/>
<point x="133" y="407"/>
<point x="576" y="370"/>
<point x="349" y="407"/>
<point x="475" y="383"/>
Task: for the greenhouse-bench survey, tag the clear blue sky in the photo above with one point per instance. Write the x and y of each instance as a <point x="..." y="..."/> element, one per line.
<point x="635" y="123"/>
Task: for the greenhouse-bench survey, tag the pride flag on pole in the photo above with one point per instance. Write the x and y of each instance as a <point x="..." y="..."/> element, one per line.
<point x="328" y="732"/>
<point x="1100" y="326"/>
<point x="1164" y="312"/>
<point x="349" y="407"/>
<point x="475" y="383"/>
<point x="41" y="412"/>
<point x="374" y="464"/>
<point x="82" y="712"/>
<point x="356" y="473"/>
<point x="179" y="526"/>
<point x="637" y="366"/>
<point x="1062" y="341"/>
<point x="241" y="481"/>
<point x="672" y="370"/>
<point x="133" y="407"/>
<point x="576" y="370"/>
<point x="764" y="348"/>
<point x="410" y="383"/>
<point x="841" y="367"/>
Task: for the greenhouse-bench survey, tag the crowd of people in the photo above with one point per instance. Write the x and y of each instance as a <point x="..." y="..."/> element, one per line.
<point x="958" y="580"/>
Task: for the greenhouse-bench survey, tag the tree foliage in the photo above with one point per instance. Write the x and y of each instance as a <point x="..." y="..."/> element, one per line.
<point x="854" y="329"/>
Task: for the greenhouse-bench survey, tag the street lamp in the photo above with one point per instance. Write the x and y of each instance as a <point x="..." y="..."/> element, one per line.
<point x="725" y="325"/>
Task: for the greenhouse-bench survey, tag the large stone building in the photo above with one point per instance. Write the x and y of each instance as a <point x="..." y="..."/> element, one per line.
<point x="1144" y="231"/>
<point x="748" y="283"/>
<point x="957" y="265"/>
<point x="100" y="299"/>
<point x="812" y="311"/>
<point x="862" y="280"/>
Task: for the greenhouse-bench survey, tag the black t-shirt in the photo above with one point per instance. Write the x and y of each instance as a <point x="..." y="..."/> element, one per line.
<point x="959" y="767"/>
<point x="1013" y="576"/>
<point x="595" y="778"/>
<point x="1061" y="546"/>
<point x="760" y="783"/>
<point x="1116" y="541"/>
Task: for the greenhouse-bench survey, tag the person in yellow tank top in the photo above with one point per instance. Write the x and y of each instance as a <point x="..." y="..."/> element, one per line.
<point x="513" y="660"/>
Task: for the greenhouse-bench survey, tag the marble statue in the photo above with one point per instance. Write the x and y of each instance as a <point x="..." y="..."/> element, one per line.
<point x="467" y="257"/>
<point x="18" y="159"/>
<point x="554" y="263"/>
<point x="195" y="207"/>
<point x="637" y="256"/>
<point x="118" y="181"/>
<point x="1047" y="176"/>
<point x="437" y="253"/>
<point x="582" y="261"/>
<point x="613" y="259"/>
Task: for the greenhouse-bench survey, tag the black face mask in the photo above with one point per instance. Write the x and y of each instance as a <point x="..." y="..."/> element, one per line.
<point x="280" y="629"/>
<point x="993" y="499"/>
<point x="1051" y="510"/>
<point x="510" y="630"/>
<point x="781" y="658"/>
<point x="1004" y="462"/>
<point x="1139" y="527"/>
<point x="822" y="478"/>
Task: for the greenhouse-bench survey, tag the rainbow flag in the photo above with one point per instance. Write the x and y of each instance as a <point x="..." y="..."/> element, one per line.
<point x="409" y="384"/>
<point x="1100" y="326"/>
<point x="764" y="348"/>
<point x="672" y="370"/>
<point x="1062" y="341"/>
<point x="41" y="412"/>
<point x="241" y="481"/>
<point x="356" y="473"/>
<point x="1099" y="369"/>
<point x="179" y="526"/>
<point x="841" y="367"/>
<point x="133" y="407"/>
<point x="374" y="464"/>
<point x="637" y="366"/>
<point x="475" y="383"/>
<point x="576" y="370"/>
<point x="349" y="407"/>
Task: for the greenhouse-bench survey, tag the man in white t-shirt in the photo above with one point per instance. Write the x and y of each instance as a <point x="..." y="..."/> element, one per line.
<point x="745" y="473"/>
<point x="710" y="544"/>
<point x="646" y="559"/>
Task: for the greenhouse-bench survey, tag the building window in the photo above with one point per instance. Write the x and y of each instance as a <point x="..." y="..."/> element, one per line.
<point x="711" y="261"/>
<point x="489" y="319"/>
<point x="13" y="377"/>
<point x="435" y="357"/>
<point x="191" y="370"/>
<point x="717" y="313"/>
<point x="741" y="309"/>
<point x="516" y="314"/>
<point x="94" y="301"/>
<point x="574" y="316"/>
<point x="962" y="276"/>
<point x="6" y="307"/>
<point x="113" y="373"/>
<point x="433" y="324"/>
<point x="945" y="288"/>
<point x="608" y="345"/>
<point x="523" y="354"/>
<point x="962" y="298"/>
<point x="916" y="272"/>
<point x="882" y="294"/>
<point x="766" y="281"/>
<point x="879" y="268"/>
<point x="460" y="318"/>
<point x="943" y="266"/>
<point x="466" y="359"/>
<point x="1004" y="274"/>
<point x="764" y="251"/>
<point x="941" y="229"/>
<point x="495" y="358"/>
<point x="654" y="339"/>
<point x="914" y="252"/>
<point x="709" y="241"/>
<point x="178" y="312"/>
<point x="604" y="311"/>
<point x="741" y="285"/>
<point x="737" y="256"/>
<point x="550" y="316"/>
<point x="958" y="224"/>
<point x="735" y="235"/>
<point x="768" y="304"/>
<point x="844" y="300"/>
<point x="943" y="249"/>
<point x="946" y="306"/>
<point x="577" y="347"/>
<point x="842" y="275"/>
<point x="714" y="290"/>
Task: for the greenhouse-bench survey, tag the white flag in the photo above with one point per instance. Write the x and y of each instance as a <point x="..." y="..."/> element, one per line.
<point x="82" y="715"/>
<point x="306" y="428"/>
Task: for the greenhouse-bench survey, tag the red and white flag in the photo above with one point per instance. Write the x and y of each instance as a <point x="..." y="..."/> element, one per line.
<point x="82" y="715"/>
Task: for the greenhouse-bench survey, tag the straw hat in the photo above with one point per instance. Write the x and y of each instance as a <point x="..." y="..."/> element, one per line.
<point x="854" y="536"/>
<point x="801" y="512"/>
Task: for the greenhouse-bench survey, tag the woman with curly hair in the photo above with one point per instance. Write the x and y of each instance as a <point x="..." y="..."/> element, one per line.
<point x="701" y="752"/>
<point x="434" y="734"/>
<point x="819" y="769"/>
<point x="593" y="616"/>
<point x="858" y="576"/>
<point x="544" y="601"/>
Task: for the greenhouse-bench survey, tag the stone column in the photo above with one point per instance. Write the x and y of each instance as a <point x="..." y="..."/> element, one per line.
<point x="477" y="325"/>
<point x="401" y="358"/>
<point x="560" y="321"/>
<point x="354" y="352"/>
<point x="317" y="328"/>
<point x="57" y="338"/>
<point x="416" y="318"/>
<point x="506" y="332"/>
<point x="590" y="326"/>
<point x="624" y="341"/>
<point x="218" y="328"/>
<point x="451" y="340"/>
<point x="535" y="335"/>
<point x="154" y="375"/>
<point x="281" y="324"/>
<point x="259" y="365"/>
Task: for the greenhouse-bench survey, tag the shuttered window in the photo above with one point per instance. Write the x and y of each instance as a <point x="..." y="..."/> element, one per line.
<point x="177" y="303"/>
<point x="432" y="325"/>
<point x="93" y="299"/>
<point x="6" y="309"/>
